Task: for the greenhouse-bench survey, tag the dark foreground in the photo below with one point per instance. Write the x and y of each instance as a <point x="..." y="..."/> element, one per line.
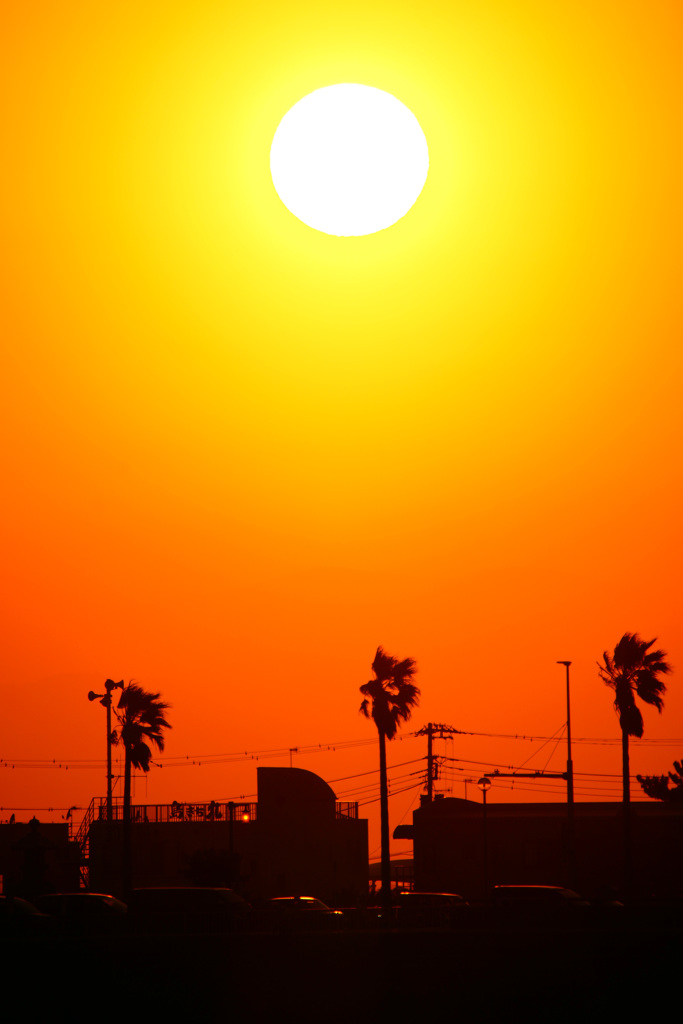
<point x="629" y="968"/>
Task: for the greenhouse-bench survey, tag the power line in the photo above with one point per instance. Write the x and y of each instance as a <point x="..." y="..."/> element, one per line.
<point x="200" y="760"/>
<point x="397" y="792"/>
<point x="196" y="760"/>
<point x="581" y="739"/>
<point x="71" y="808"/>
<point x="375" y="771"/>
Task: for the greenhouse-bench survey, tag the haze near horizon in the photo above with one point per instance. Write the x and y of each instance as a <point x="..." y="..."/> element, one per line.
<point x="240" y="454"/>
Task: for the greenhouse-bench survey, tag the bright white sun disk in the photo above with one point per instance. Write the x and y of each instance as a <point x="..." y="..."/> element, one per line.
<point x="349" y="160"/>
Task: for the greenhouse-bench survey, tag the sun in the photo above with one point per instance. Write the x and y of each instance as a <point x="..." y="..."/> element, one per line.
<point x="349" y="160"/>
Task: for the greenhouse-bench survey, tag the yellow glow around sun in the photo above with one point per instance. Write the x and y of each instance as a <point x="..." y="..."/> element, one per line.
<point x="349" y="160"/>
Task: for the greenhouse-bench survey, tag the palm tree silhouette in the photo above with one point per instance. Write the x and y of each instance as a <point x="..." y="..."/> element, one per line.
<point x="389" y="699"/>
<point x="141" y="718"/>
<point x="633" y="671"/>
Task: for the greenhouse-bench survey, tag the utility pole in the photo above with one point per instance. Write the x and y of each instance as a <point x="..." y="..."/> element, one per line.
<point x="571" y="823"/>
<point x="484" y="785"/>
<point x="570" y="766"/>
<point x="433" y="731"/>
<point x="106" y="702"/>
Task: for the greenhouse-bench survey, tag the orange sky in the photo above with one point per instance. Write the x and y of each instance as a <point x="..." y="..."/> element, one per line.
<point x="239" y="454"/>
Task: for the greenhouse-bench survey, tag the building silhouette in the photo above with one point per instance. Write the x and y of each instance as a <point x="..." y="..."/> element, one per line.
<point x="296" y="839"/>
<point x="36" y="858"/>
<point x="457" y="849"/>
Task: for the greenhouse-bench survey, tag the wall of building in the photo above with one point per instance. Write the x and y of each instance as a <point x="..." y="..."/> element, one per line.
<point x="305" y="848"/>
<point x="296" y="843"/>
<point x="37" y="858"/>
<point x="528" y="844"/>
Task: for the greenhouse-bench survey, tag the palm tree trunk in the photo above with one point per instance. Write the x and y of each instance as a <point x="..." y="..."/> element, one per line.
<point x="625" y="768"/>
<point x="384" y="828"/>
<point x="127" y="873"/>
<point x="626" y="813"/>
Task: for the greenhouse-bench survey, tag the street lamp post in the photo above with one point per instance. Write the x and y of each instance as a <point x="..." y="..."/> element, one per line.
<point x="571" y="835"/>
<point x="484" y="785"/>
<point x="106" y="699"/>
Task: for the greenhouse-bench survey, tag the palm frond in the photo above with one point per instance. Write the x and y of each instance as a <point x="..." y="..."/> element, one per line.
<point x="391" y="695"/>
<point x="141" y="756"/>
<point x="629" y="651"/>
<point x="405" y="670"/>
<point x="383" y="665"/>
<point x="656" y="661"/>
<point x="630" y="719"/>
<point x="141" y="717"/>
<point x="649" y="688"/>
<point x="634" y="670"/>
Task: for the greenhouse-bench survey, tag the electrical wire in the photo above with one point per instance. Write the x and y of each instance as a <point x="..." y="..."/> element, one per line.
<point x="364" y="803"/>
<point x="200" y="760"/>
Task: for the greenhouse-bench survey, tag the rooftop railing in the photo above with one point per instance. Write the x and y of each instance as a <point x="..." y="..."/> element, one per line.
<point x="179" y="811"/>
<point x="346" y="809"/>
<point x="182" y="811"/>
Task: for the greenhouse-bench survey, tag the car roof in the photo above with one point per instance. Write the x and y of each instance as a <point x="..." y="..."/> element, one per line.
<point x="415" y="892"/>
<point x="534" y="890"/>
<point x="81" y="895"/>
<point x="529" y="888"/>
<point x="187" y="895"/>
<point x="294" y="901"/>
<point x="183" y="888"/>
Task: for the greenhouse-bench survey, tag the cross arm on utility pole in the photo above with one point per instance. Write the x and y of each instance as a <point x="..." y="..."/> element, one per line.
<point x="524" y="775"/>
<point x="433" y="730"/>
<point x="435" y="727"/>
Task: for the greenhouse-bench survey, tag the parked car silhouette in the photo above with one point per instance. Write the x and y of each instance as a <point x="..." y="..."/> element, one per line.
<point x="21" y="919"/>
<point x="299" y="913"/>
<point x="530" y="904"/>
<point x="430" y="909"/>
<point x="186" y="909"/>
<point x="84" y="913"/>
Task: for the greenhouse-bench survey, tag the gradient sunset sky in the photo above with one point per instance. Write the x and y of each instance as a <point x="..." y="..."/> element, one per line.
<point x="238" y="454"/>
